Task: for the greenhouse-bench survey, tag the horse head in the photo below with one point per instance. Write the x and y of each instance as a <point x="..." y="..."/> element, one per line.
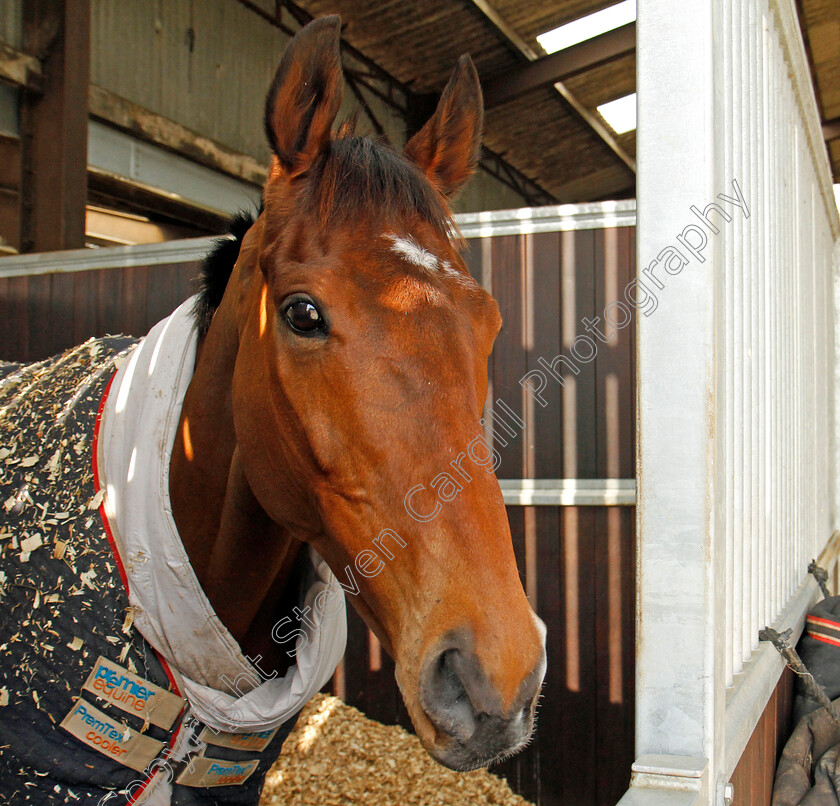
<point x="358" y="385"/>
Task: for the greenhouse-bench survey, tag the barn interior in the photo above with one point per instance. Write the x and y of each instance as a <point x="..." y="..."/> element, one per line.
<point x="152" y="114"/>
<point x="125" y="122"/>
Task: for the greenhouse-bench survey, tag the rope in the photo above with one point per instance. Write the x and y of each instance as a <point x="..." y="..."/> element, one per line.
<point x="821" y="575"/>
<point x="795" y="664"/>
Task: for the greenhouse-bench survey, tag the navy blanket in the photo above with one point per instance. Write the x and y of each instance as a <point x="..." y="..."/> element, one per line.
<point x="62" y="601"/>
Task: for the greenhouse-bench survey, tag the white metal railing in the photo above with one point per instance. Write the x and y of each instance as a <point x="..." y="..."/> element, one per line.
<point x="737" y="227"/>
<point x="569" y="492"/>
<point x="185" y="250"/>
<point x="551" y="218"/>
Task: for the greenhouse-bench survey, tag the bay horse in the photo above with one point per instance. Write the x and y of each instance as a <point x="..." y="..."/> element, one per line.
<point x="326" y="437"/>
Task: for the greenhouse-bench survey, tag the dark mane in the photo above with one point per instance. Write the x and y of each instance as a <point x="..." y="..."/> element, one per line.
<point x="216" y="269"/>
<point x="358" y="178"/>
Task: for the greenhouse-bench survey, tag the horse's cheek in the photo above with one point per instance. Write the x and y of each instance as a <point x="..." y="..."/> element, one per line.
<point x="252" y="413"/>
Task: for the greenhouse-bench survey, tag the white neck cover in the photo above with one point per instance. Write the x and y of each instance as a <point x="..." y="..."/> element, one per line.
<point x="138" y="428"/>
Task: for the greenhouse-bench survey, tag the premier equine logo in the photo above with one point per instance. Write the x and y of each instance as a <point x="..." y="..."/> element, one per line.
<point x="239" y="741"/>
<point x="133" y="694"/>
<point x="121" y="688"/>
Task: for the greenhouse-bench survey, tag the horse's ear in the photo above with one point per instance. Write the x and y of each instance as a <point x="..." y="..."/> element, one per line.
<point x="305" y="95"/>
<point x="448" y="147"/>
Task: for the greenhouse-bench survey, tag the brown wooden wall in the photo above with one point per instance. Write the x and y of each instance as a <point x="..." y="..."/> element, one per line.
<point x="10" y="183"/>
<point x="43" y="314"/>
<point x="753" y="777"/>
<point x="577" y="563"/>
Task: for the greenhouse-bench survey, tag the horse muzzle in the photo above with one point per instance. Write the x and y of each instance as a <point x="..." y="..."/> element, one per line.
<point x="473" y="728"/>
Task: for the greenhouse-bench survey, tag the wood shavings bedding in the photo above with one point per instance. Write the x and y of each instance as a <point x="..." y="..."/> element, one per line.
<point x="336" y="756"/>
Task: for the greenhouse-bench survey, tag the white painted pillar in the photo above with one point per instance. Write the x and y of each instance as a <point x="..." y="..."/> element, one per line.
<point x="679" y="707"/>
<point x="736" y="378"/>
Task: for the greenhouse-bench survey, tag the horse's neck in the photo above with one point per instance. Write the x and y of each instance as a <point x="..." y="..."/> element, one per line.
<point x="242" y="559"/>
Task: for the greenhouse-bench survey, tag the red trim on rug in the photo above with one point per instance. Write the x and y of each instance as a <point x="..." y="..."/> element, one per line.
<point x="824" y="638"/>
<point x="97" y="485"/>
<point x="169" y="674"/>
<point x="143" y="788"/>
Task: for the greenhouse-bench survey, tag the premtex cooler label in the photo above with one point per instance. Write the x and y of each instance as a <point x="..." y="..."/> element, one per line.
<point x="205" y="771"/>
<point x="109" y="737"/>
<point x="239" y="741"/>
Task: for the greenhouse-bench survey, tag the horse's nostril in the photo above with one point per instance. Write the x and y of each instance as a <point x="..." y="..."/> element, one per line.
<point x="445" y="697"/>
<point x="447" y="676"/>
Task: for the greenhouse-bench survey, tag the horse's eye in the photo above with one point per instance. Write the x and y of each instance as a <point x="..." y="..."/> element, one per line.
<point x="304" y="318"/>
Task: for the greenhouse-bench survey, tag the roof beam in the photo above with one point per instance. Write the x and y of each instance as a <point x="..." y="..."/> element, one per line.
<point x="508" y="34"/>
<point x="559" y="66"/>
<point x="580" y="110"/>
<point x="831" y="129"/>
<point x="592" y="120"/>
<point x="147" y="125"/>
<point x="495" y="165"/>
<point x="21" y="69"/>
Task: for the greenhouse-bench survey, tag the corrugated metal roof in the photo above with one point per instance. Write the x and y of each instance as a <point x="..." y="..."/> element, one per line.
<point x="538" y="132"/>
<point x="416" y="42"/>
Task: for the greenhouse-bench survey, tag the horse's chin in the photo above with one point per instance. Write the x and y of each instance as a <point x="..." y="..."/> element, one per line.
<point x="494" y="746"/>
<point x="456" y="756"/>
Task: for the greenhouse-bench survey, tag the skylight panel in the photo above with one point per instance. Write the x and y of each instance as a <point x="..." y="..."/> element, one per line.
<point x="620" y="114"/>
<point x="588" y="27"/>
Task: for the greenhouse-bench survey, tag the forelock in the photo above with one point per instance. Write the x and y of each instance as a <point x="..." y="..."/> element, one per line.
<point x="360" y="179"/>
